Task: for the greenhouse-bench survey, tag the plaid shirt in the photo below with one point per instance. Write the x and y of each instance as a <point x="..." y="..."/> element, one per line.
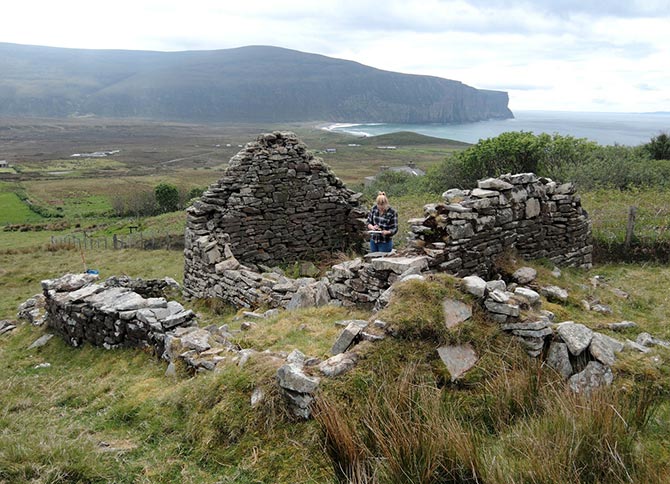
<point x="387" y="221"/>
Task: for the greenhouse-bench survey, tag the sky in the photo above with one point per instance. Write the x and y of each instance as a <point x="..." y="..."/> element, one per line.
<point x="568" y="55"/>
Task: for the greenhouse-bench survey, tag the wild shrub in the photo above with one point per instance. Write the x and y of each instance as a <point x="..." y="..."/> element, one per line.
<point x="659" y="147"/>
<point x="167" y="197"/>
<point x="510" y="152"/>
<point x="395" y="184"/>
<point x="619" y="167"/>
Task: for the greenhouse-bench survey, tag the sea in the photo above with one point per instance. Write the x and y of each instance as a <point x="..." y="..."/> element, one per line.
<point x="629" y="129"/>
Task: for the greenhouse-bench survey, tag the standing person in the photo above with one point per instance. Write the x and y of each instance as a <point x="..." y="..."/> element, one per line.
<point x="383" y="220"/>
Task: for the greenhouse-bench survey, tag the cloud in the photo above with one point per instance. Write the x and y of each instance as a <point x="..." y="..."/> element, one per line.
<point x="551" y="54"/>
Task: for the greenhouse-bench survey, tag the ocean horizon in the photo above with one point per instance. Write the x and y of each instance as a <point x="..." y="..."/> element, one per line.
<point x="629" y="129"/>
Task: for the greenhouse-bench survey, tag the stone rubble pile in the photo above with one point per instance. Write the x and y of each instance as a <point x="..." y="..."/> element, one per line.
<point x="297" y="378"/>
<point x="275" y="203"/>
<point x="361" y="281"/>
<point x="581" y="355"/>
<point x="112" y="315"/>
<point x="6" y="326"/>
<point x="537" y="217"/>
<point x="33" y="310"/>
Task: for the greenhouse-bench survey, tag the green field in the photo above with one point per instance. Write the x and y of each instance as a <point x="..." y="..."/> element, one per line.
<point x="13" y="210"/>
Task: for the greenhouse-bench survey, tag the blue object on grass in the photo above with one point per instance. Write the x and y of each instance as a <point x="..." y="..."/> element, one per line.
<point x="92" y="271"/>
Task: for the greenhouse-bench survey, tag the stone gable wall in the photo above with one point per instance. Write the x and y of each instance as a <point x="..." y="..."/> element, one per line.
<point x="275" y="203"/>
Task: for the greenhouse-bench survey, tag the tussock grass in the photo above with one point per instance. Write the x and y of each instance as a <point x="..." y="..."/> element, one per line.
<point x="518" y="426"/>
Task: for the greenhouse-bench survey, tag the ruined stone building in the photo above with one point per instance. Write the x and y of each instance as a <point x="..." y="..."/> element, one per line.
<point x="275" y="203"/>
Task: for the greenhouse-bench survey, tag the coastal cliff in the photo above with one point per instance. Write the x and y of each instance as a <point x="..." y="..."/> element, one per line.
<point x="246" y="84"/>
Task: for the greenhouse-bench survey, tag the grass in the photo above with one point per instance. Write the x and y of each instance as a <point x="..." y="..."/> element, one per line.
<point x="14" y="211"/>
<point x="157" y="429"/>
<point x="312" y="331"/>
<point x="405" y="420"/>
<point x="509" y="419"/>
<point x="74" y="167"/>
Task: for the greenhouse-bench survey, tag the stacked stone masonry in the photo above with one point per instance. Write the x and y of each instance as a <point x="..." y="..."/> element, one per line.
<point x="537" y="217"/>
<point x="534" y="216"/>
<point x="111" y="314"/>
<point x="275" y="203"/>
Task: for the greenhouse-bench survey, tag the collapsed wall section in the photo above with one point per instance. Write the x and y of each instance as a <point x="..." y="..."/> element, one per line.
<point x="536" y="217"/>
<point x="114" y="313"/>
<point x="275" y="203"/>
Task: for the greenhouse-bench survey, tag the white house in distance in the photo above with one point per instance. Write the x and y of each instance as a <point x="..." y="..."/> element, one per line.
<point x="409" y="169"/>
<point x="4" y="164"/>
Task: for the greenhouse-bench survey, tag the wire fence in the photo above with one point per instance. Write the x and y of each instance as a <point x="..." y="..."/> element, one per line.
<point x="137" y="240"/>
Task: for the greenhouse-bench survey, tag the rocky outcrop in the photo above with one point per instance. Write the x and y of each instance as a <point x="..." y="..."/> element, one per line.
<point x="536" y="217"/>
<point x="275" y="203"/>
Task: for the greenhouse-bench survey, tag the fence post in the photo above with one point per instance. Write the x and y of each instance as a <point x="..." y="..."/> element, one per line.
<point x="630" y="226"/>
<point x="115" y="241"/>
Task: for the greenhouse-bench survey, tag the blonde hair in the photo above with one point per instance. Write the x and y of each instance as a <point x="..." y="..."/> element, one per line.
<point x="382" y="202"/>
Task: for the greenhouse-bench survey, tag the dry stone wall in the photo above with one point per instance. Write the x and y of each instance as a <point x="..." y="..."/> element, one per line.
<point x="113" y="313"/>
<point x="537" y="217"/>
<point x="275" y="203"/>
<point x="534" y="216"/>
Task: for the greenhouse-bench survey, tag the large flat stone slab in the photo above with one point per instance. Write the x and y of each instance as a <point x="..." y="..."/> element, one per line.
<point x="346" y="337"/>
<point x="603" y="348"/>
<point x="455" y="312"/>
<point x="576" y="336"/>
<point x="554" y="293"/>
<point x="458" y="359"/>
<point x="338" y="364"/>
<point x="400" y="264"/>
<point x="594" y="376"/>
<point x="558" y="358"/>
<point x="475" y="285"/>
<point x="291" y="377"/>
<point x="197" y="340"/>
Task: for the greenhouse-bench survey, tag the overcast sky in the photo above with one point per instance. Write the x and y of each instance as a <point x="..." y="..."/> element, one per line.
<point x="588" y="55"/>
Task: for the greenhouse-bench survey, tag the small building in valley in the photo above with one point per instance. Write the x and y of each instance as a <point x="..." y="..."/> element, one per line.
<point x="4" y="164"/>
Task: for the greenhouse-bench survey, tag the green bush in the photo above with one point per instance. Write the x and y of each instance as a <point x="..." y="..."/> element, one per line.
<point x="167" y="197"/>
<point x="563" y="158"/>
<point x="395" y="184"/>
<point x="511" y="152"/>
<point x="620" y="167"/>
<point x="659" y="147"/>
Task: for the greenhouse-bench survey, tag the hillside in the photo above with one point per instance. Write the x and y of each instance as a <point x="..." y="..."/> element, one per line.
<point x="246" y="84"/>
<point x="408" y="138"/>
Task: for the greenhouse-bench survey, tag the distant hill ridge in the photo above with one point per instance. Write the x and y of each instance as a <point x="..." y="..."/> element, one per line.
<point x="246" y="84"/>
